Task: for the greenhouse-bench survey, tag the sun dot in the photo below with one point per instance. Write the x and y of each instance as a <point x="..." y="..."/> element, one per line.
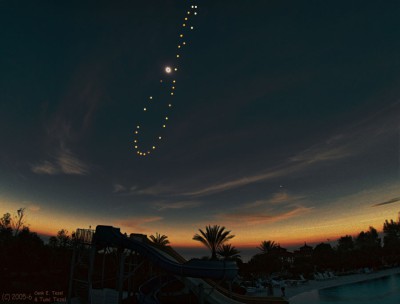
<point x="168" y="69"/>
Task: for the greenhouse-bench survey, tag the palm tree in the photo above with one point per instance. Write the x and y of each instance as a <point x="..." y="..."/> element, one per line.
<point x="268" y="246"/>
<point x="213" y="238"/>
<point x="228" y="252"/>
<point x="159" y="239"/>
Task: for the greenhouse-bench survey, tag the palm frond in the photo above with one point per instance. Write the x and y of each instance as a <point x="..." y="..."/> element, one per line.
<point x="213" y="237"/>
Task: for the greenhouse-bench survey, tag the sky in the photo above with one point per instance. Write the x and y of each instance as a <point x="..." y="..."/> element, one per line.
<point x="284" y="124"/>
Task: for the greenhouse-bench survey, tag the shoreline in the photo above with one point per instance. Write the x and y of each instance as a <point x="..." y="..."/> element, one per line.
<point x="293" y="291"/>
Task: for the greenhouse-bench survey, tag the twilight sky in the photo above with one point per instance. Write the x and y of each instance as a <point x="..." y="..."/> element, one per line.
<point x="284" y="125"/>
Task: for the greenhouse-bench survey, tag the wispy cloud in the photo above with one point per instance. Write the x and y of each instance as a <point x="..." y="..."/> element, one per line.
<point x="157" y="190"/>
<point x="278" y="198"/>
<point x="137" y="223"/>
<point x="344" y="144"/>
<point x="117" y="188"/>
<point x="255" y="217"/>
<point x="323" y="154"/>
<point x="347" y="142"/>
<point x="70" y="164"/>
<point x="220" y="187"/>
<point x="45" y="167"/>
<point x="65" y="162"/>
<point x="297" y="163"/>
<point x="71" y="121"/>
<point x="33" y="207"/>
<point x="301" y="161"/>
<point x="391" y="201"/>
<point x="278" y="207"/>
<point x="177" y="205"/>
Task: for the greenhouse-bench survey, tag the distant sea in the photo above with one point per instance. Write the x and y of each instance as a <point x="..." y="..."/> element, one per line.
<point x="188" y="253"/>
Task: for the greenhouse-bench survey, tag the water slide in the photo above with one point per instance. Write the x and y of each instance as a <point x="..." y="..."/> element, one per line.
<point x="196" y="272"/>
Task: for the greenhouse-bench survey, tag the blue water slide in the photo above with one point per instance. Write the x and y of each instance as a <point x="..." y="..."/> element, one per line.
<point x="111" y="236"/>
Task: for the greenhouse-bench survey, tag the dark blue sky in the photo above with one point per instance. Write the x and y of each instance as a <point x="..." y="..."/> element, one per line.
<point x="285" y="116"/>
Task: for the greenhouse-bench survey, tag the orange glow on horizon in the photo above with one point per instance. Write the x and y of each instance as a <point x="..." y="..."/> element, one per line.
<point x="178" y="238"/>
<point x="329" y="223"/>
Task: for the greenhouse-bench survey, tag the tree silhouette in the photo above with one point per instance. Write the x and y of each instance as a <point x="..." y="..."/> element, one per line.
<point x="228" y="252"/>
<point x="368" y="248"/>
<point x="18" y="221"/>
<point x="345" y="244"/>
<point x="345" y="252"/>
<point x="213" y="238"/>
<point x="5" y="221"/>
<point x="368" y="240"/>
<point x="268" y="246"/>
<point x="324" y="256"/>
<point x="53" y="242"/>
<point x="5" y="230"/>
<point x="392" y="234"/>
<point x="14" y="223"/>
<point x="159" y="239"/>
<point x="391" y="241"/>
<point x="64" y="240"/>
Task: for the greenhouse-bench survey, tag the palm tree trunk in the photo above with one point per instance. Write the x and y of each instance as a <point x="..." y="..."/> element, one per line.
<point x="214" y="254"/>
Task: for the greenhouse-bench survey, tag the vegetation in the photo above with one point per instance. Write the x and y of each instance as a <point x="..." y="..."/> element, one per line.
<point x="365" y="250"/>
<point x="267" y="261"/>
<point x="13" y="223"/>
<point x="268" y="246"/>
<point x="228" y="252"/>
<point x="26" y="263"/>
<point x="213" y="238"/>
<point x="62" y="240"/>
<point x="159" y="239"/>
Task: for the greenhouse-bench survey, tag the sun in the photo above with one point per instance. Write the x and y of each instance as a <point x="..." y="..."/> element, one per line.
<point x="168" y="69"/>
